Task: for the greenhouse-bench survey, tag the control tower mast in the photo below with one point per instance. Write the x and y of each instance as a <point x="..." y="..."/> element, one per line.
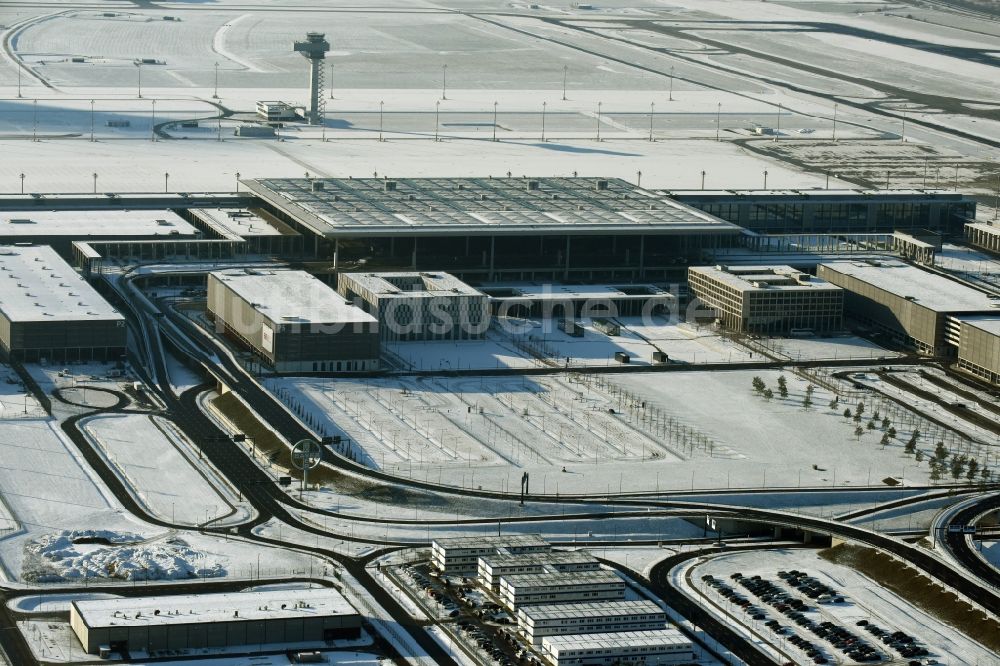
<point x="314" y="49"/>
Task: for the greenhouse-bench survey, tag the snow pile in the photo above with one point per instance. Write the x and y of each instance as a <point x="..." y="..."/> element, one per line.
<point x="85" y="554"/>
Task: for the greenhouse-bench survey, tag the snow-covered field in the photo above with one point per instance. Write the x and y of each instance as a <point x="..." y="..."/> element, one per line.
<point x="141" y="448"/>
<point x="678" y="430"/>
<point x="865" y="601"/>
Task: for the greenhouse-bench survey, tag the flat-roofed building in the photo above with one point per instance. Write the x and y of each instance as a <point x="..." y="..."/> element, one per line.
<point x="460" y="555"/>
<point x="59" y="228"/>
<point x="589" y="618"/>
<point x="494" y="566"/>
<point x="914" y="306"/>
<point x="274" y="111"/>
<point x="553" y="588"/>
<point x="419" y="306"/>
<point x="835" y="211"/>
<point x="566" y="301"/>
<point x="628" y="648"/>
<point x="768" y="299"/>
<point x="198" y="621"/>
<point x="984" y="234"/>
<point x="293" y="321"/>
<point x="490" y="229"/>
<point x="979" y="347"/>
<point x="48" y="311"/>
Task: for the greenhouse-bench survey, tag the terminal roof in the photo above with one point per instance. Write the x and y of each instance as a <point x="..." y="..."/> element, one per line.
<point x="480" y="206"/>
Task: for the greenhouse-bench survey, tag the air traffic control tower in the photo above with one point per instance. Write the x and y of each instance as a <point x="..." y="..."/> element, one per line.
<point x="314" y="48"/>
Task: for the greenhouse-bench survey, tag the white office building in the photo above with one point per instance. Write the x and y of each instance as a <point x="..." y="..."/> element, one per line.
<point x="460" y="555"/>
<point x="494" y="566"/>
<point x="598" y="617"/>
<point x="553" y="588"/>
<point x="630" y="648"/>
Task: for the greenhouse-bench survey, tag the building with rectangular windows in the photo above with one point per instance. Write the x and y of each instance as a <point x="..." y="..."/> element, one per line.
<point x="574" y="301"/>
<point x="419" y="306"/>
<point x="460" y="555"/>
<point x="48" y="311"/>
<point x="979" y="347"/>
<point x="914" y="306"/>
<point x="292" y="321"/>
<point x="494" y="566"/>
<point x="553" y="588"/>
<point x="835" y="211"/>
<point x="628" y="648"/>
<point x="198" y="621"/>
<point x="493" y="229"/>
<point x="768" y="300"/>
<point x="596" y="617"/>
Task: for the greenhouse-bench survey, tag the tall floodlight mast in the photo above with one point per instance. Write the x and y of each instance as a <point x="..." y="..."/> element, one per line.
<point x="314" y="49"/>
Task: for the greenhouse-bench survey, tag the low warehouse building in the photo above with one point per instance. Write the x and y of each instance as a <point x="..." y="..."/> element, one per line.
<point x="553" y="588"/>
<point x="768" y="299"/>
<point x="562" y="301"/>
<point x="48" y="311"/>
<point x="493" y="567"/>
<point x="292" y="321"/>
<point x="589" y="618"/>
<point x="638" y="648"/>
<point x="984" y="234"/>
<point x="419" y="306"/>
<point x="460" y="555"/>
<point x="185" y="622"/>
<point x="916" y="307"/>
<point x="979" y="347"/>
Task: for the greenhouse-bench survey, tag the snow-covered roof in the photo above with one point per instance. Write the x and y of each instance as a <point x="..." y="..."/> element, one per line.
<point x="590" y="609"/>
<point x="239" y="221"/>
<point x="536" y="291"/>
<point x="817" y="193"/>
<point x="512" y="541"/>
<point x="37" y="285"/>
<point x="84" y="223"/>
<point x="411" y="284"/>
<point x="504" y="558"/>
<point x="574" y="578"/>
<point x="989" y="324"/>
<point x="621" y="639"/>
<point x="483" y="206"/>
<point x="992" y="229"/>
<point x="291" y="297"/>
<point x="922" y="287"/>
<point x="208" y="608"/>
<point x="771" y="277"/>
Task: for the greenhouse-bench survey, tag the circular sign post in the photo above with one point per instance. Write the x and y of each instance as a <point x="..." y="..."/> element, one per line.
<point x="306" y="455"/>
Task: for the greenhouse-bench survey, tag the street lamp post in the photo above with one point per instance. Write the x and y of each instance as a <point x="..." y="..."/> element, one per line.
<point x="237" y="181"/>
<point x="777" y="129"/>
<point x="565" y="70"/>
<point x="437" y="124"/>
<point x="598" y="121"/>
<point x="902" y="133"/>
<point x="380" y="106"/>
<point x="166" y="182"/>
<point x="544" y="104"/>
<point x="34" y="120"/>
<point x="835" y="123"/>
<point x="444" y="81"/>
<point x="95" y="182"/>
<point x="652" y="110"/>
<point x="702" y="180"/>
<point x="494" y="121"/>
<point x="138" y="65"/>
<point x="718" y="120"/>
<point x="91" y="121"/>
<point x="22" y="183"/>
<point x="215" y="93"/>
<point x="671" y="96"/>
<point x="765" y="179"/>
<point x="152" y="124"/>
